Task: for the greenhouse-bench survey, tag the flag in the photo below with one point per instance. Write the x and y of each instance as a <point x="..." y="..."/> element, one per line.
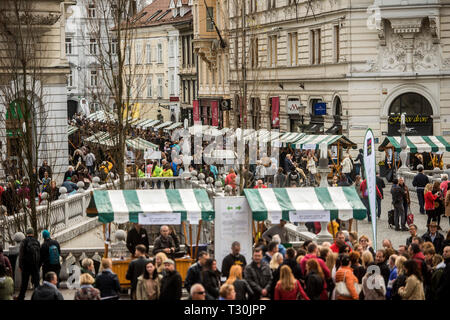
<point x="369" y="167"/>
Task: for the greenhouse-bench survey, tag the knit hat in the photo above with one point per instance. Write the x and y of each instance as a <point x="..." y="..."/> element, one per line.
<point x="45" y="234"/>
<point x="169" y="261"/>
<point x="30" y="231"/>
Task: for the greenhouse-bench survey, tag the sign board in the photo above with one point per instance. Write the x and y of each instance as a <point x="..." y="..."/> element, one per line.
<point x="369" y="167"/>
<point x="320" y="109"/>
<point x="293" y="106"/>
<point x="308" y="216"/>
<point x="160" y="218"/>
<point x="152" y="155"/>
<point x="233" y="222"/>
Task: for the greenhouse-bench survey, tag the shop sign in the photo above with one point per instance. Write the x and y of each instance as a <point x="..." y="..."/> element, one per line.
<point x="320" y="109"/>
<point x="293" y="106"/>
<point x="409" y="119"/>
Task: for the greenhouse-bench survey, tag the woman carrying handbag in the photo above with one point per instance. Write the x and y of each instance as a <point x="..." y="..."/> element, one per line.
<point x="347" y="287"/>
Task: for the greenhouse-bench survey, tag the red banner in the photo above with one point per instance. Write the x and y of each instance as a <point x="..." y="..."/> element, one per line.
<point x="275" y="112"/>
<point x="196" y="111"/>
<point x="215" y="113"/>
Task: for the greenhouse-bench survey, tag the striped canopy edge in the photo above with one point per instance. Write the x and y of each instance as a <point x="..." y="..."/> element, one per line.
<point x="319" y="139"/>
<point x="125" y="205"/>
<point x="342" y="202"/>
<point x="416" y="144"/>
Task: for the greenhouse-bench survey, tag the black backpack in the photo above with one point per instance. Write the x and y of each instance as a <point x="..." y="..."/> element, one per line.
<point x="32" y="252"/>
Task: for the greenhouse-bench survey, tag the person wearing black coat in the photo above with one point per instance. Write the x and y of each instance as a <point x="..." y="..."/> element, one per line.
<point x="107" y="281"/>
<point x="438" y="241"/>
<point x="137" y="235"/>
<point x="384" y="268"/>
<point x="210" y="281"/>
<point x="313" y="285"/>
<point x="165" y="243"/>
<point x="136" y="268"/>
<point x="29" y="262"/>
<point x="194" y="271"/>
<point x="399" y="282"/>
<point x="171" y="282"/>
<point x="48" y="291"/>
<point x="45" y="254"/>
<point x="243" y="289"/>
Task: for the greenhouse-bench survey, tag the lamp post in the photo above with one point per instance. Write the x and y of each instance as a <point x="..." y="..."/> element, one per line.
<point x="403" y="145"/>
<point x="323" y="169"/>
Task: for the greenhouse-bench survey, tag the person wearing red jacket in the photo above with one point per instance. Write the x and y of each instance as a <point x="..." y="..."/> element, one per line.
<point x="339" y="242"/>
<point x="429" y="202"/>
<point x="289" y="288"/>
<point x="365" y="196"/>
<point x="260" y="185"/>
<point x="312" y="254"/>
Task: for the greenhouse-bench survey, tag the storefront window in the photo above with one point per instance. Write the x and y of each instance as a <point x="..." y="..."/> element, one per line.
<point x="418" y="115"/>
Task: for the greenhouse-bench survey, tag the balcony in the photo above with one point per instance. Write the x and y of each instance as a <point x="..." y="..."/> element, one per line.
<point x="188" y="70"/>
<point x="207" y="50"/>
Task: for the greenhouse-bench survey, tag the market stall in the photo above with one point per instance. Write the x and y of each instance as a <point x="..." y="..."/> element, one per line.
<point x="431" y="149"/>
<point x="305" y="204"/>
<point x="154" y="207"/>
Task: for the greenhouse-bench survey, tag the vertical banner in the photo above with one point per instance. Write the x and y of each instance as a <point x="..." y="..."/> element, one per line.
<point x="215" y="113"/>
<point x="233" y="222"/>
<point x="275" y="112"/>
<point x="196" y="110"/>
<point x="369" y="166"/>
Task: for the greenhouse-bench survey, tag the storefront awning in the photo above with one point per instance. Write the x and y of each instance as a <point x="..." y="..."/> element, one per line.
<point x="163" y="125"/>
<point x="71" y="129"/>
<point x="149" y="123"/>
<point x="174" y="126"/>
<point x="314" y="141"/>
<point x="417" y="144"/>
<point x="289" y="137"/>
<point x="121" y="206"/>
<point x="342" y="202"/>
<point x="140" y="144"/>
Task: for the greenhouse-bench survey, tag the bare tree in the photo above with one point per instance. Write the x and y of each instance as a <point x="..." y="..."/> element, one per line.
<point x="112" y="33"/>
<point x="23" y="59"/>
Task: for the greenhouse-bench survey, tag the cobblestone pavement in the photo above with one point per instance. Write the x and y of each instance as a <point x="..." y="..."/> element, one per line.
<point x="397" y="237"/>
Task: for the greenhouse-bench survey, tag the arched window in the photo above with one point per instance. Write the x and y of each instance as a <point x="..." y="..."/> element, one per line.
<point x="418" y="115"/>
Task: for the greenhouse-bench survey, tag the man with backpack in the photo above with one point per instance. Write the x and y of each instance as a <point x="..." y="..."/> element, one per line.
<point x="29" y="262"/>
<point x="50" y="252"/>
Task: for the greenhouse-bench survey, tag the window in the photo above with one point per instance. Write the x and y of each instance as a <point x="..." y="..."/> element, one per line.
<point x="149" y="87"/>
<point x="255" y="112"/>
<point x="114" y="46"/>
<point x="68" y="45"/>
<point x="148" y="50"/>
<point x="91" y="11"/>
<point x="160" y="53"/>
<point x="272" y="49"/>
<point x="336" y="30"/>
<point x="139" y="87"/>
<point x="209" y="19"/>
<point x="172" y="84"/>
<point x="160" y="86"/>
<point x="315" y="46"/>
<point x="70" y="79"/>
<point x="153" y="15"/>
<point x="138" y="49"/>
<point x="271" y="4"/>
<point x="253" y="6"/>
<point x="293" y="48"/>
<point x="93" y="46"/>
<point x="93" y="78"/>
<point x="254" y="52"/>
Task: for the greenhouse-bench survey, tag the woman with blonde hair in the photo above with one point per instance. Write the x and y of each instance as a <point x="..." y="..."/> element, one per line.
<point x="227" y="292"/>
<point x="331" y="261"/>
<point x="276" y="261"/>
<point x="87" y="290"/>
<point x="288" y="288"/>
<point x="241" y="286"/>
<point x="366" y="258"/>
<point x="400" y="281"/>
<point x="159" y="262"/>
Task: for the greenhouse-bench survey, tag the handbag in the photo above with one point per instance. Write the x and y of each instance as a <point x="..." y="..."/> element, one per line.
<point x="410" y="217"/>
<point x="342" y="290"/>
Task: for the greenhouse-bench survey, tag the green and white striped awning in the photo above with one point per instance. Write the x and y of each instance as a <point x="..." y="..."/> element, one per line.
<point x="174" y="126"/>
<point x="286" y="138"/>
<point x="103" y="138"/>
<point x="163" y="125"/>
<point x="71" y="129"/>
<point x="314" y="141"/>
<point x="275" y="204"/>
<point x="417" y="144"/>
<point x="141" y="206"/>
<point x="149" y="123"/>
<point x="140" y="144"/>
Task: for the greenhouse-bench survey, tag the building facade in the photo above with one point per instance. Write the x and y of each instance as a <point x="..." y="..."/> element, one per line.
<point x="343" y="66"/>
<point x="46" y="87"/>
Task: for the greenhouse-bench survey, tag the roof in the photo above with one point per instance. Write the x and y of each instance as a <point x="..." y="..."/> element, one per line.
<point x="159" y="13"/>
<point x="416" y="144"/>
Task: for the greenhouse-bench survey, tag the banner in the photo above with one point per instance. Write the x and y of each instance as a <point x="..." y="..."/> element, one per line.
<point x="215" y="113"/>
<point x="159" y="218"/>
<point x="233" y="222"/>
<point x="308" y="216"/>
<point x="275" y="112"/>
<point x="196" y="111"/>
<point x="369" y="166"/>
